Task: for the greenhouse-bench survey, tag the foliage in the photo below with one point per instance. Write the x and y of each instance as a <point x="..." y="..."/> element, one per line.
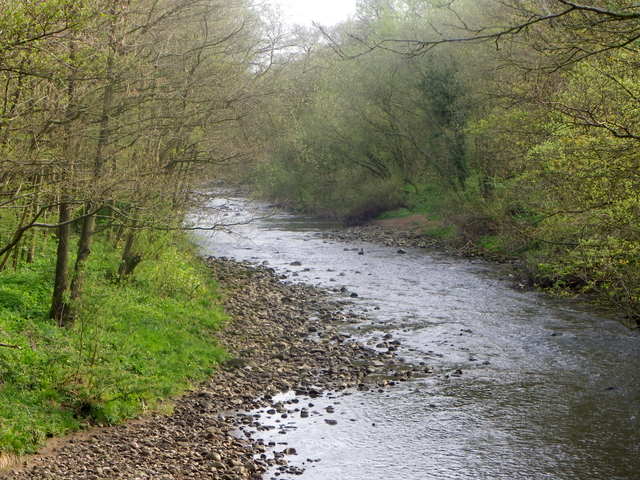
<point x="116" y="109"/>
<point x="529" y="149"/>
<point x="112" y="114"/>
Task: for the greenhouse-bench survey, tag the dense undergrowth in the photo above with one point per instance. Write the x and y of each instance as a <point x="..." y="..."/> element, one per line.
<point x="339" y="194"/>
<point x="133" y="344"/>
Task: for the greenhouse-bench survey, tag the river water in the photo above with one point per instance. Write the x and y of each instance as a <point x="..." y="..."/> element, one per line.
<point x="548" y="390"/>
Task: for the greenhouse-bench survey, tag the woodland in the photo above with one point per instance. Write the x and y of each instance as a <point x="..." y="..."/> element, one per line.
<point x="511" y="125"/>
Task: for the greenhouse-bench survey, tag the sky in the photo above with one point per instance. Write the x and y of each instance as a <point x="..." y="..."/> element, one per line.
<point x="325" y="12"/>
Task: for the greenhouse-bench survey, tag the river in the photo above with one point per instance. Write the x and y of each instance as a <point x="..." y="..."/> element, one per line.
<point x="548" y="389"/>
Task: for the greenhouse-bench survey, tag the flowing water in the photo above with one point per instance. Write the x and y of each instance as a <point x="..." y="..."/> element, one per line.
<point x="548" y="390"/>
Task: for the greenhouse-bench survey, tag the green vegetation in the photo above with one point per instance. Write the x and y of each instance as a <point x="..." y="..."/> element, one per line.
<point x="339" y="193"/>
<point x="527" y="150"/>
<point x="114" y="112"/>
<point x="133" y="344"/>
<point x="399" y="213"/>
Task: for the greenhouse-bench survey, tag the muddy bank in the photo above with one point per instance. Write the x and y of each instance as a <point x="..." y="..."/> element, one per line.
<point x="282" y="338"/>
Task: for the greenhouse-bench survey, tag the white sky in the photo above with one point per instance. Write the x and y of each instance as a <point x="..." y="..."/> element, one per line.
<point x="325" y="12"/>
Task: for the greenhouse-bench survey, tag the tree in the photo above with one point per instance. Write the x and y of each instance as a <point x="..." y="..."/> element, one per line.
<point x="108" y="106"/>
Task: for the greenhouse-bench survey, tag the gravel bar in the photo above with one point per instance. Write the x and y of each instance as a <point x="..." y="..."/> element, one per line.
<point x="282" y="337"/>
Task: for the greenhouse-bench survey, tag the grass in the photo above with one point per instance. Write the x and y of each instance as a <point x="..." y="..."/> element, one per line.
<point x="133" y="344"/>
<point x="398" y="213"/>
<point x="429" y="200"/>
<point x="441" y="232"/>
<point x="432" y="202"/>
<point x="492" y="244"/>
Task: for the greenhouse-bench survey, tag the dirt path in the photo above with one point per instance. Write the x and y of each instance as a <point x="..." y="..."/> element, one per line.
<point x="283" y="337"/>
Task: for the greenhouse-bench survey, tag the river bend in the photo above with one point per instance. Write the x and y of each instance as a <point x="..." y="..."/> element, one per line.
<point x="548" y="390"/>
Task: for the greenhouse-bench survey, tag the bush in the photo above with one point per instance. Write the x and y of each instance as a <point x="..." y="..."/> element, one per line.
<point x="351" y="195"/>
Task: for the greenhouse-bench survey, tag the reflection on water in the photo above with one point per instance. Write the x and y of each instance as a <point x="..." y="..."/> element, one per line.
<point x="548" y="390"/>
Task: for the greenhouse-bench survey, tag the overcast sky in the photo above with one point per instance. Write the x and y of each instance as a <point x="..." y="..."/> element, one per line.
<point x="326" y="12"/>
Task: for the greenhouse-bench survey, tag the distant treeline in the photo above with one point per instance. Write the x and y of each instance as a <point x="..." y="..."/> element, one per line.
<point x="515" y="122"/>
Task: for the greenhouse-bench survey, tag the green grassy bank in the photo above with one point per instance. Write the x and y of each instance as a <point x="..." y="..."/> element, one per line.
<point x="133" y="344"/>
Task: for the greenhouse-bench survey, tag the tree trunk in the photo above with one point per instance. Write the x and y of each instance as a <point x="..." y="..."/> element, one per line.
<point x="130" y="259"/>
<point x="16" y="247"/>
<point x="117" y="236"/>
<point x="33" y="245"/>
<point x="84" y="250"/>
<point x="59" y="305"/>
<point x="33" y="242"/>
<point x="89" y="223"/>
<point x="60" y="310"/>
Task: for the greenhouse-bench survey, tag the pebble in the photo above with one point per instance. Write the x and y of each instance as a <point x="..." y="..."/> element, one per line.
<point x="271" y="351"/>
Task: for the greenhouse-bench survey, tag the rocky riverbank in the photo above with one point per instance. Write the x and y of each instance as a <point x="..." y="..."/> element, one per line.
<point x="281" y="338"/>
<point x="383" y="235"/>
<point x="400" y="235"/>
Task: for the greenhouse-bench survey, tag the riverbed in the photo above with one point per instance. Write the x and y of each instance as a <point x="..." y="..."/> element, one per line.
<point x="521" y="386"/>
